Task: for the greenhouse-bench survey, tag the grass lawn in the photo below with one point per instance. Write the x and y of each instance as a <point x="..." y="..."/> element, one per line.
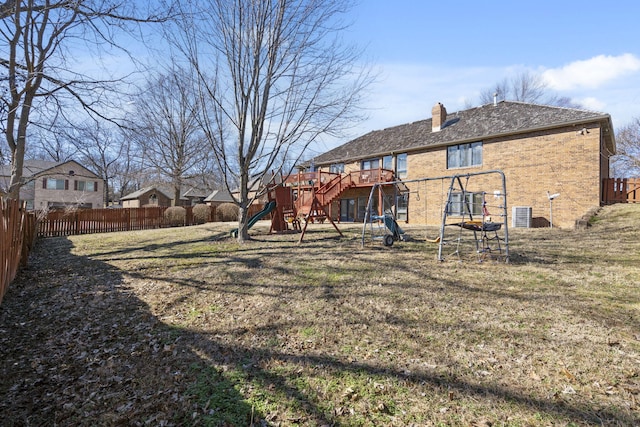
<point x="184" y="326"/>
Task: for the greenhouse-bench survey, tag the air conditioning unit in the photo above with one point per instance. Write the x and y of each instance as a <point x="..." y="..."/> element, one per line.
<point x="521" y="216"/>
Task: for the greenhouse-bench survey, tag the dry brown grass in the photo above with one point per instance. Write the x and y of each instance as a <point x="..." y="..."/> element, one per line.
<point x="185" y="326"/>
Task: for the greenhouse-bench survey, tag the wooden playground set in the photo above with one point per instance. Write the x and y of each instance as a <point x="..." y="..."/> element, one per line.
<point x="295" y="201"/>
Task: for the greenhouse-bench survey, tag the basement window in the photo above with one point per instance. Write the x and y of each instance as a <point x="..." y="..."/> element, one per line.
<point x="471" y="203"/>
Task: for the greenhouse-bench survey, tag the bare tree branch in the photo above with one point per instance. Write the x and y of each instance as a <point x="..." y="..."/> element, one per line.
<point x="35" y="38"/>
<point x="167" y="121"/>
<point x="273" y="77"/>
<point x="626" y="161"/>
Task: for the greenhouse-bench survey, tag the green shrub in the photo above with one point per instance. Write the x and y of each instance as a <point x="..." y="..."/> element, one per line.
<point x="227" y="212"/>
<point x="175" y="215"/>
<point x="201" y="213"/>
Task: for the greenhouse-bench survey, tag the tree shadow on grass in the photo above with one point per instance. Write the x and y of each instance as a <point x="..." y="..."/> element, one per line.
<point x="79" y="348"/>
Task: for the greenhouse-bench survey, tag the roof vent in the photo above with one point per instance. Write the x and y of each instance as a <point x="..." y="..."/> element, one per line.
<point x="438" y="117"/>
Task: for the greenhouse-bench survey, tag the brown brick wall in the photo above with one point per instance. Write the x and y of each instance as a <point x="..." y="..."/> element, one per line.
<point x="563" y="161"/>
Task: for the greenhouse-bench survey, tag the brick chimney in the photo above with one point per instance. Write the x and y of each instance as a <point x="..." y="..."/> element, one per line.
<point x="438" y="117"/>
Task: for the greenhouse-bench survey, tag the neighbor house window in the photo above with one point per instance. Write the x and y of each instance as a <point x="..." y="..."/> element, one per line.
<point x="401" y="165"/>
<point x="336" y="168"/>
<point x="370" y="164"/>
<point x="464" y="155"/>
<point x="55" y="184"/>
<point x="471" y="203"/>
<point x="86" y="186"/>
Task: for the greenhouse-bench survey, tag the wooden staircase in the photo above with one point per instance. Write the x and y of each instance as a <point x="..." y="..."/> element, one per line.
<point x="326" y="194"/>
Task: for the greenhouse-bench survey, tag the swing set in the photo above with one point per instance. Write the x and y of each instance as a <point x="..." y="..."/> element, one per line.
<point x="471" y="219"/>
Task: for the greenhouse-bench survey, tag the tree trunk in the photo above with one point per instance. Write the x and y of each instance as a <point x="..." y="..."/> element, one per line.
<point x="17" y="163"/>
<point x="17" y="156"/>
<point x="243" y="220"/>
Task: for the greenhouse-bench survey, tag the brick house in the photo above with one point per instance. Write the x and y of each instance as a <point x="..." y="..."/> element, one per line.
<point x="161" y="196"/>
<point x="541" y="149"/>
<point x="54" y="185"/>
<point x="148" y="196"/>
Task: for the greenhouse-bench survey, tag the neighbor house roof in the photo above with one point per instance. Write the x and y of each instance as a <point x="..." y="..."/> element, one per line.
<point x="487" y="121"/>
<point x="219" y="196"/>
<point x="141" y="192"/>
<point x="194" y="192"/>
<point x="35" y="167"/>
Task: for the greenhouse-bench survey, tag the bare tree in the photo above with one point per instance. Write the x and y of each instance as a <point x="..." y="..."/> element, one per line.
<point x="274" y="76"/>
<point x="52" y="146"/>
<point x="103" y="147"/>
<point x="626" y="162"/>
<point x="525" y="87"/>
<point x="37" y="80"/>
<point x="168" y="128"/>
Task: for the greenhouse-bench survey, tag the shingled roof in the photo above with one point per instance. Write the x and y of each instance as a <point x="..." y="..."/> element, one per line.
<point x="475" y="124"/>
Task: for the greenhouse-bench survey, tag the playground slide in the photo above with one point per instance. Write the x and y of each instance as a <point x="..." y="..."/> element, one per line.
<point x="268" y="208"/>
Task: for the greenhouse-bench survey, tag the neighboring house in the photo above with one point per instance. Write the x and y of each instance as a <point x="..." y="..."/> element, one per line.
<point x="52" y="185"/>
<point x="217" y="197"/>
<point x="193" y="196"/>
<point x="539" y="148"/>
<point x="148" y="196"/>
<point x="160" y="196"/>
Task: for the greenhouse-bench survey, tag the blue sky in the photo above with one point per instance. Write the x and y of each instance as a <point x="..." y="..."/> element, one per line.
<point x="439" y="51"/>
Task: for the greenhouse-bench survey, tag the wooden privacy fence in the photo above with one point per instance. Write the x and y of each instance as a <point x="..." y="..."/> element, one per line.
<point x="620" y="190"/>
<point x="88" y="221"/>
<point x="17" y="234"/>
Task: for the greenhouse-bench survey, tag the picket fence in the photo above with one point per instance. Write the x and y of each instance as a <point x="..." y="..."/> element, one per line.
<point x="17" y="235"/>
<point x="89" y="221"/>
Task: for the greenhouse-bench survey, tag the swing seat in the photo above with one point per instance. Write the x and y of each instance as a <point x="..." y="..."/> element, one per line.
<point x="479" y="225"/>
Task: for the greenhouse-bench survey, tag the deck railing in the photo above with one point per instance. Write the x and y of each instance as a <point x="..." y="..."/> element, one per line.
<point x="620" y="190"/>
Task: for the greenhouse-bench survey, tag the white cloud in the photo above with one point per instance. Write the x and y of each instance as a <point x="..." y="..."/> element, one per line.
<point x="591" y="103"/>
<point x="593" y="72"/>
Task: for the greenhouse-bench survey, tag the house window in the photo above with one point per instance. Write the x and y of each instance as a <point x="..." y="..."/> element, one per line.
<point x="336" y="168"/>
<point x="362" y="208"/>
<point x="370" y="164"/>
<point x="471" y="203"/>
<point x="464" y="155"/>
<point x="56" y="184"/>
<point x="153" y="199"/>
<point x="86" y="186"/>
<point x="387" y="162"/>
<point x="401" y="165"/>
<point x="403" y="206"/>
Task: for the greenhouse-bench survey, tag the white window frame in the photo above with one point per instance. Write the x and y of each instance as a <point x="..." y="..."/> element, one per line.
<point x="336" y="168"/>
<point x="401" y="165"/>
<point x="458" y="208"/>
<point x="464" y="155"/>
<point x="55" y="184"/>
<point x="368" y="163"/>
<point x="87" y="186"/>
